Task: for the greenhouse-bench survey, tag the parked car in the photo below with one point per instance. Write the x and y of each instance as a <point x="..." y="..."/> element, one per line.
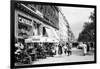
<point x="79" y="46"/>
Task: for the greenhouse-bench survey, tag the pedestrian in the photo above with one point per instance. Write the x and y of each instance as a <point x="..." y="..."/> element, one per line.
<point x="56" y="48"/>
<point x="88" y="48"/>
<point x="69" y="49"/>
<point x="65" y="49"/>
<point x="84" y="49"/>
<point x="60" y="49"/>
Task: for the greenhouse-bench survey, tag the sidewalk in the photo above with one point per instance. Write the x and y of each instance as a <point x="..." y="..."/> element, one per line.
<point x="77" y="56"/>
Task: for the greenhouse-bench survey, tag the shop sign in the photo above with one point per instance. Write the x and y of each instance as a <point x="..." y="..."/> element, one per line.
<point x="32" y="40"/>
<point x="36" y="39"/>
<point x="25" y="20"/>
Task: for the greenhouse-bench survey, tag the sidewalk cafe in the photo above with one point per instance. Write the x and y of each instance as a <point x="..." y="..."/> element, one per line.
<point x="40" y="47"/>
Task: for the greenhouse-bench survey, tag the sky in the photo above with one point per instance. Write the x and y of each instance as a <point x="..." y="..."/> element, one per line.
<point x="76" y="17"/>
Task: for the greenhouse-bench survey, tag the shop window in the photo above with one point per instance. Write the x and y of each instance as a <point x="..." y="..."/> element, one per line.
<point x="36" y="28"/>
<point x="24" y="30"/>
<point x="24" y="27"/>
<point x="22" y="34"/>
<point x="44" y="32"/>
<point x="35" y="25"/>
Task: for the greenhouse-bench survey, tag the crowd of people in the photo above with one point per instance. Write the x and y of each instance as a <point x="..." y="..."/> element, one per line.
<point x="64" y="49"/>
<point x="67" y="48"/>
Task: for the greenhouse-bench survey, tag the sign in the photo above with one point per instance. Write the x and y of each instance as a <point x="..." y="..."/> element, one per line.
<point x="36" y="39"/>
<point x="25" y="20"/>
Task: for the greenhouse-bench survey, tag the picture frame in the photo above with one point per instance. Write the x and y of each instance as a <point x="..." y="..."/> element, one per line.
<point x="16" y="12"/>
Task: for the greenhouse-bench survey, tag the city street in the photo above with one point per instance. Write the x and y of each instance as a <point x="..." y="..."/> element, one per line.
<point x="43" y="31"/>
<point x="76" y="56"/>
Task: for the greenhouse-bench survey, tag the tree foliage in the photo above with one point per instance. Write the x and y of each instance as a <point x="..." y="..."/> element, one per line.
<point x="88" y="32"/>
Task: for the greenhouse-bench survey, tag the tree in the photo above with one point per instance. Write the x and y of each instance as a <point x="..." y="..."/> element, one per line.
<point x="88" y="32"/>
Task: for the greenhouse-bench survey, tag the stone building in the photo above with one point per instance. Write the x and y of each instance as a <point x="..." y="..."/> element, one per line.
<point x="65" y="33"/>
<point x="36" y="20"/>
<point x="41" y="20"/>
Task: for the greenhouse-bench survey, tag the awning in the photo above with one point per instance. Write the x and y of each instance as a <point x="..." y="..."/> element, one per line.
<point x="51" y="40"/>
<point x="35" y="39"/>
<point x="55" y="34"/>
<point x="52" y="34"/>
<point x="40" y="39"/>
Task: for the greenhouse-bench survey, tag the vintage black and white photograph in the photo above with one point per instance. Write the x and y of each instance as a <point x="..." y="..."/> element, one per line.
<point x="49" y="33"/>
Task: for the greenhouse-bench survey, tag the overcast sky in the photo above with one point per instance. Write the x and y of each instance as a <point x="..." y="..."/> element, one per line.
<point x="76" y="17"/>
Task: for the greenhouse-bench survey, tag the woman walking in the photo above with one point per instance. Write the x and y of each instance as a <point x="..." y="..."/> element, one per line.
<point x="69" y="51"/>
<point x="84" y="49"/>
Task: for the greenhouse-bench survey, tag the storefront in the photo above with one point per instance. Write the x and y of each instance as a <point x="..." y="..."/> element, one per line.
<point x="30" y="23"/>
<point x="37" y="33"/>
<point x="26" y="25"/>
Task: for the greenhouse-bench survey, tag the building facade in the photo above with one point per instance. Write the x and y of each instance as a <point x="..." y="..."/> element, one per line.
<point x="36" y="20"/>
<point x="41" y="20"/>
<point x="65" y="33"/>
